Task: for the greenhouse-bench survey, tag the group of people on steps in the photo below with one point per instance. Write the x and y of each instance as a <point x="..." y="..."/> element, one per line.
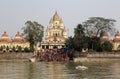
<point x="49" y="55"/>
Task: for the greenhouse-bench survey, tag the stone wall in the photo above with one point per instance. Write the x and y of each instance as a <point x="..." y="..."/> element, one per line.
<point x="103" y="54"/>
<point x="98" y="54"/>
<point x="15" y="55"/>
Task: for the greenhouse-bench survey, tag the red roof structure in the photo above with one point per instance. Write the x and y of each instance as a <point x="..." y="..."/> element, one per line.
<point x="104" y="34"/>
<point x="117" y="37"/>
<point x="5" y="38"/>
<point x="18" y="38"/>
<point x="92" y="35"/>
<point x="117" y="34"/>
<point x="104" y="37"/>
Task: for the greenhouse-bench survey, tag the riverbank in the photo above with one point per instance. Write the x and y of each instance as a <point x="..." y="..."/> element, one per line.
<point x="15" y="55"/>
<point x="14" y="60"/>
<point x="83" y="56"/>
<point x="96" y="56"/>
<point x="95" y="59"/>
<point x="102" y="55"/>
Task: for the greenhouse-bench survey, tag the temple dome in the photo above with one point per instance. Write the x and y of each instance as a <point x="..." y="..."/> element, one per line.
<point x="92" y="35"/>
<point x="117" y="37"/>
<point x="104" y="37"/>
<point x="18" y="38"/>
<point x="18" y="34"/>
<point x="5" y="38"/>
<point x="104" y="34"/>
<point x="117" y="34"/>
<point x="4" y="34"/>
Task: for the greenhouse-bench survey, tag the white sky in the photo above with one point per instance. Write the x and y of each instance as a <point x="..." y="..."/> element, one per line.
<point x="14" y="13"/>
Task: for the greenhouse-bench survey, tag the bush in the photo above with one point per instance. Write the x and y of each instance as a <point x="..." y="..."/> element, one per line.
<point x="107" y="46"/>
<point x="19" y="48"/>
<point x="1" y="48"/>
<point x="26" y="49"/>
<point x="91" y="50"/>
<point x="13" y="48"/>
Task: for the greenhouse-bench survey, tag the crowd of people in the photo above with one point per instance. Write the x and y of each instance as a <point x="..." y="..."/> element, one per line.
<point x="48" y="55"/>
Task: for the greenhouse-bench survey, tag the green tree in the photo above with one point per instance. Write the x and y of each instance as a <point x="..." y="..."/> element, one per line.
<point x="94" y="43"/>
<point x="13" y="48"/>
<point x="33" y="32"/>
<point x="79" y="37"/>
<point x="98" y="25"/>
<point x="7" y="48"/>
<point x="19" y="48"/>
<point x="69" y="42"/>
<point x="26" y="49"/>
<point x="1" y="48"/>
<point x="107" y="46"/>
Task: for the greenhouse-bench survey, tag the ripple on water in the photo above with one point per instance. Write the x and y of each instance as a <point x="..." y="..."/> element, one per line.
<point x="59" y="70"/>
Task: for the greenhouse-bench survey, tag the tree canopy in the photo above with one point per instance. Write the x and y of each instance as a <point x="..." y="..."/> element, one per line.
<point x="98" y="25"/>
<point x="107" y="46"/>
<point x="79" y="38"/>
<point x="33" y="32"/>
<point x="69" y="42"/>
<point x="84" y="39"/>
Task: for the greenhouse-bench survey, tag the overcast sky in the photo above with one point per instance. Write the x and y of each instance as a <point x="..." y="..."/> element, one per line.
<point x="14" y="13"/>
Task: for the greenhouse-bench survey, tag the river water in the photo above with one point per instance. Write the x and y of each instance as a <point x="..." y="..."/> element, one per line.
<point x="19" y="69"/>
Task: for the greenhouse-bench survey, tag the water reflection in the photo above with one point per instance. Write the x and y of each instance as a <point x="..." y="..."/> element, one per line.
<point x="14" y="69"/>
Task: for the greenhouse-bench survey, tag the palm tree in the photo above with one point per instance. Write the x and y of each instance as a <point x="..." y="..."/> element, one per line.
<point x="79" y="37"/>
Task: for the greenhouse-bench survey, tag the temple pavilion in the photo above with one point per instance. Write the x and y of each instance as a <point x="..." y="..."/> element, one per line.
<point x="115" y="41"/>
<point x="7" y="44"/>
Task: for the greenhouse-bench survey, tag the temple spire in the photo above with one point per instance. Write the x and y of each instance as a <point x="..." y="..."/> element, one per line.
<point x="56" y="17"/>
